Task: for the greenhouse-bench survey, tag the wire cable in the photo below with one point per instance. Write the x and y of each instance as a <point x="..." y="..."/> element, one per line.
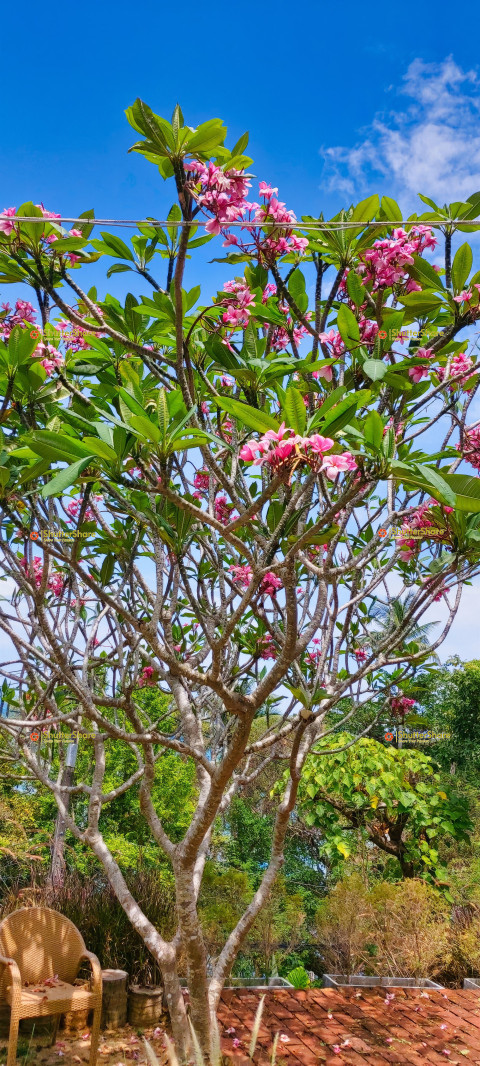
<point x="132" y="222"/>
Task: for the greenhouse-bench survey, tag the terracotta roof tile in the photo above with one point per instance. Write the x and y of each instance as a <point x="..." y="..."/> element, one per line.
<point x="360" y="1025"/>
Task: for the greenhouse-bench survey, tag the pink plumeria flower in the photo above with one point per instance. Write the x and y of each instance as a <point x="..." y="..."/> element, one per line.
<point x="231" y="1031"/>
<point x="336" y="1049"/>
<point x="5" y="225"/>
<point x="463" y="297"/>
<point x="284" y="1038"/>
<point x="324" y="372"/>
<point x="236" y="1042"/>
<point x="416" y="373"/>
<point x="266" y="190"/>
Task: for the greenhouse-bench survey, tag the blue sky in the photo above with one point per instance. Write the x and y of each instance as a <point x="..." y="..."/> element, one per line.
<point x="339" y="101"/>
<point x="304" y="79"/>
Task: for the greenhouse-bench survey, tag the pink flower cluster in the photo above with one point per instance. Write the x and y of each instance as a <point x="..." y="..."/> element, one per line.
<point x="423" y="370"/>
<point x="282" y="335"/>
<point x="466" y="296"/>
<point x="237" y="311"/>
<point x="223" y="510"/>
<point x="368" y="330"/>
<point x="471" y="447"/>
<point x="400" y="705"/>
<point x="385" y="263"/>
<point x="312" y="657"/>
<point x="222" y="194"/>
<point x="419" y="518"/>
<point x="274" y="210"/>
<point x="201" y="480"/>
<point x="266" y="647"/>
<point x="55" y="582"/>
<point x="74" y="337"/>
<point x="360" y="655"/>
<point x="281" y="451"/>
<point x="5" y="225"/>
<point x="147" y="677"/>
<point x="73" y="509"/>
<point x="460" y="364"/>
<point x="242" y="575"/>
<point x="49" y="356"/>
<point x="24" y="312"/>
<point x="337" y="348"/>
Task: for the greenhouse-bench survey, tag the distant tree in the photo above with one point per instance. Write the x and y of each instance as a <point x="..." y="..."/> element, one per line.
<point x="394" y="797"/>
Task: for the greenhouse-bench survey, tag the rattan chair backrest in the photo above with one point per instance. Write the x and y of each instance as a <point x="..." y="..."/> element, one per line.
<point x="42" y="942"/>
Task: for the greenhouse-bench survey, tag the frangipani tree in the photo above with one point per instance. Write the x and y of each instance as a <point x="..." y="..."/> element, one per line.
<point x="234" y="470"/>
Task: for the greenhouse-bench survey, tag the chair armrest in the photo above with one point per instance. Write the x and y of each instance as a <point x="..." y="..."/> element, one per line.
<point x="96" y="969"/>
<point x="15" y="975"/>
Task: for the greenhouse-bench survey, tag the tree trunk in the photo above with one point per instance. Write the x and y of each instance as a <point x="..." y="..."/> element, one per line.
<point x="177" y="1011"/>
<point x="194" y="947"/>
<point x="56" y="874"/>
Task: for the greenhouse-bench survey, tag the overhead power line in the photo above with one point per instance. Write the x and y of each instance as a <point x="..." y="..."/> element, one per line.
<point x="134" y="222"/>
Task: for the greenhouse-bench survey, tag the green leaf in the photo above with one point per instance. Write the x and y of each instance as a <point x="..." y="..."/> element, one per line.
<point x="439" y="485"/>
<point x="57" y="446"/>
<point x="374" y="369"/>
<point x="86" y="227"/>
<point x="30" y="473"/>
<point x="240" y="145"/>
<point x="21" y="345"/>
<point x="130" y="401"/>
<point x="107" y="568"/>
<point x="115" y="245"/>
<point x="118" y="268"/>
<point x="373" y="429"/>
<point x="295" y="411"/>
<point x="421" y="302"/>
<point x="365" y="210"/>
<point x="158" y="132"/>
<point x="260" y="421"/>
<point x="391" y="209"/>
<point x="348" y="326"/>
<point x="296" y="285"/>
<point x="355" y="289"/>
<point x="65" y="478"/>
<point x="428" y="479"/>
<point x="101" y="448"/>
<point x="147" y="428"/>
<point x="461" y="266"/>
<point x="467" y="491"/>
<point x="162" y="412"/>
<point x="423" y="272"/>
<point x="339" y="416"/>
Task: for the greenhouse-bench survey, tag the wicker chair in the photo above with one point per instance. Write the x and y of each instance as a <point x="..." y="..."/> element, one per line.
<point x="36" y="943"/>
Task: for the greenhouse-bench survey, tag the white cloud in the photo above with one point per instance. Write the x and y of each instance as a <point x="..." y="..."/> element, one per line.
<point x="432" y="146"/>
